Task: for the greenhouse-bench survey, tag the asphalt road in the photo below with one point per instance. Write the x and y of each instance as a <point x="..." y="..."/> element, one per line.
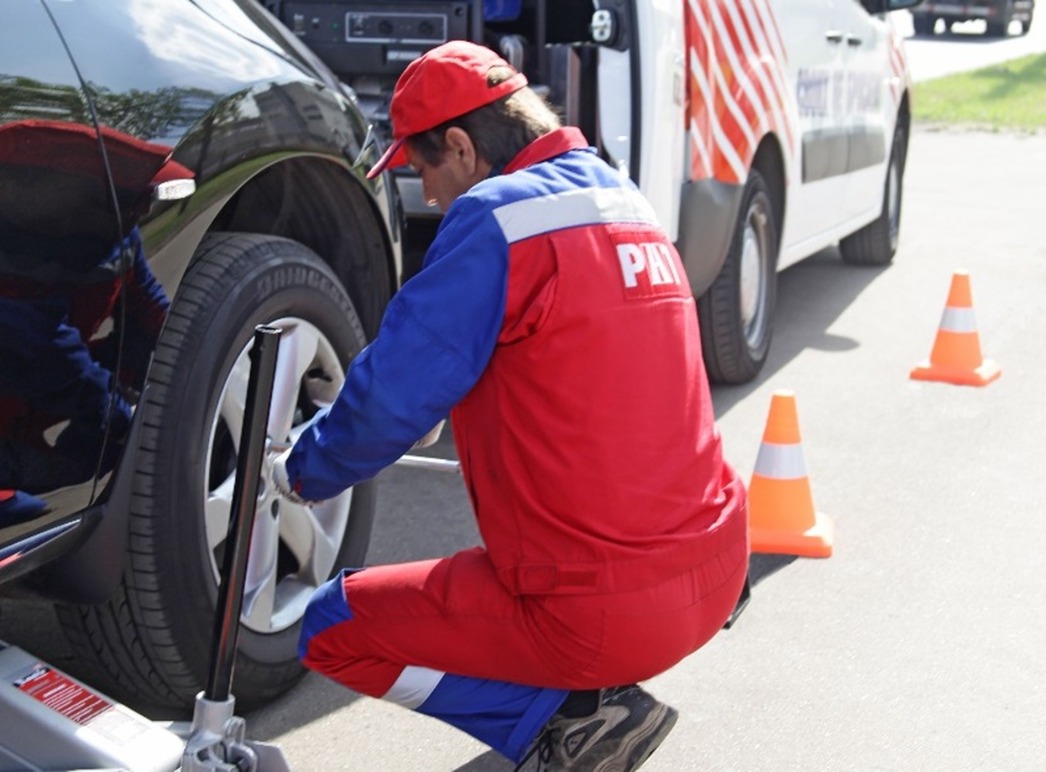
<point x="921" y="643"/>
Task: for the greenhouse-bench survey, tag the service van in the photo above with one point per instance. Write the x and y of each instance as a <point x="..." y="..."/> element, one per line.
<point x="762" y="131"/>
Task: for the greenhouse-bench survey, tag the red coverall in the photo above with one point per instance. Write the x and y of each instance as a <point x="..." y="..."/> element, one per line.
<point x="615" y="533"/>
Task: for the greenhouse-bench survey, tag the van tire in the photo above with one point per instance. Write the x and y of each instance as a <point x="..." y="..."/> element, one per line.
<point x="1000" y="28"/>
<point x="924" y="25"/>
<point x="736" y="312"/>
<point x="150" y="644"/>
<point x="876" y="243"/>
<point x="1026" y="24"/>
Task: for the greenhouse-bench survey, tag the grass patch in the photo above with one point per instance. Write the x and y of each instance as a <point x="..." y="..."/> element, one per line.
<point x="1011" y="95"/>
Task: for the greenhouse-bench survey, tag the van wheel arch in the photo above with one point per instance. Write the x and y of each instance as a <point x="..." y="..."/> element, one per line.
<point x="736" y="312"/>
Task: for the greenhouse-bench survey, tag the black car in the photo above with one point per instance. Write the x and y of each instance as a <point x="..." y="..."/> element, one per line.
<point x="997" y="15"/>
<point x="173" y="174"/>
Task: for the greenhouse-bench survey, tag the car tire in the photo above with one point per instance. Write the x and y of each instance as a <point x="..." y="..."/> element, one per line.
<point x="923" y="25"/>
<point x="736" y="312"/>
<point x="1026" y="24"/>
<point x="876" y="243"/>
<point x="150" y="644"/>
<point x="1000" y="28"/>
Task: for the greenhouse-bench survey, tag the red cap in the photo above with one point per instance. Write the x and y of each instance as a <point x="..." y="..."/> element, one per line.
<point x="444" y="83"/>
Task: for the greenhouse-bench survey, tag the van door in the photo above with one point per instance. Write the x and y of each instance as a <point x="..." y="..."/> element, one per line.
<point x="641" y="99"/>
<point x="874" y="73"/>
<point x="814" y="37"/>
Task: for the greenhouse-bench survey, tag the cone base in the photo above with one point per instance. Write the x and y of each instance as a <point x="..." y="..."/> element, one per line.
<point x="815" y="542"/>
<point x="979" y="376"/>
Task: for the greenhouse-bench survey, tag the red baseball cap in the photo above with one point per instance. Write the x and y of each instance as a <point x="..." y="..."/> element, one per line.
<point x="444" y="83"/>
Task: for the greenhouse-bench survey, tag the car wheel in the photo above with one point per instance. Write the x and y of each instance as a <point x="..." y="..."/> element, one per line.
<point x="736" y="312"/>
<point x="1001" y="27"/>
<point x="876" y="243"/>
<point x="923" y="25"/>
<point x="150" y="645"/>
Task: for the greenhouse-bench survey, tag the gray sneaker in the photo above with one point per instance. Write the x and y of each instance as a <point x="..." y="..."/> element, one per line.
<point x="619" y="736"/>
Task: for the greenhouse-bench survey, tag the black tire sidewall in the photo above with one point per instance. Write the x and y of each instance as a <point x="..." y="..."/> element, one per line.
<point x="898" y="156"/>
<point x="266" y="279"/>
<point x="728" y="356"/>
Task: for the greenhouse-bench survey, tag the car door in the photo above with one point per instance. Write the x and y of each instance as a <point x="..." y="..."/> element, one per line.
<point x="57" y="238"/>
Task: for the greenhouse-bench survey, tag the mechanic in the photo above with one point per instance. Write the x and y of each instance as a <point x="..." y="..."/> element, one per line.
<point x="553" y="322"/>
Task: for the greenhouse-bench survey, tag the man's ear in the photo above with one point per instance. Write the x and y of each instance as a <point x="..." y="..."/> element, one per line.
<point x="461" y="150"/>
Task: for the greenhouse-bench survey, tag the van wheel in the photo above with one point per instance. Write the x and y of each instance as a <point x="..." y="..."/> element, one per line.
<point x="923" y="25"/>
<point x="736" y="312"/>
<point x="1000" y="28"/>
<point x="876" y="243"/>
<point x="150" y="645"/>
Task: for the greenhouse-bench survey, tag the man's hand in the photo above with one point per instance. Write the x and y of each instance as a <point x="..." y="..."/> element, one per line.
<point x="430" y="438"/>
<point x="282" y="482"/>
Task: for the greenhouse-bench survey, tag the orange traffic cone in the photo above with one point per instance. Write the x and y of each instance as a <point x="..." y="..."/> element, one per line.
<point x="781" y="514"/>
<point x="956" y="355"/>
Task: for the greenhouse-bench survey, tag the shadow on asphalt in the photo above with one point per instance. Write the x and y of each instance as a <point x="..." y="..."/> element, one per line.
<point x="761" y="567"/>
<point x="313" y="699"/>
<point x="490" y="761"/>
<point x="811" y="296"/>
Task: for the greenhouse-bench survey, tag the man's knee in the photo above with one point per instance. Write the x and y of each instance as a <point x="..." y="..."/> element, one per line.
<point x="327" y="607"/>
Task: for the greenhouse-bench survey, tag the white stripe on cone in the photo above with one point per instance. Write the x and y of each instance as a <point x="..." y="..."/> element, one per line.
<point x="958" y="319"/>
<point x="780" y="462"/>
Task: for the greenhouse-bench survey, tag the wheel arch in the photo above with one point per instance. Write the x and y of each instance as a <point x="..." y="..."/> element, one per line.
<point x="769" y="162"/>
<point x="321" y="205"/>
<point x="709" y="209"/>
<point x="310" y="199"/>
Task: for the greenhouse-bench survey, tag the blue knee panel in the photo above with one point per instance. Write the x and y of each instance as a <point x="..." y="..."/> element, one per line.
<point x="327" y="607"/>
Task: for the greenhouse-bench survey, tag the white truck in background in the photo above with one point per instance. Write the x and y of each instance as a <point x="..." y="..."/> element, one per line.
<point x="762" y="131"/>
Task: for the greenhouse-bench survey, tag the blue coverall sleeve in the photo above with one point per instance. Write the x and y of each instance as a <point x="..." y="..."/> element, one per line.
<point x="435" y="340"/>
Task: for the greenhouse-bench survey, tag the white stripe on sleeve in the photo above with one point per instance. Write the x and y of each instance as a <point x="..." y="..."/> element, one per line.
<point x="571" y="209"/>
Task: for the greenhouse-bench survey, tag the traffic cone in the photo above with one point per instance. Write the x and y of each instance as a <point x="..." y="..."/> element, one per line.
<point x="781" y="515"/>
<point x="956" y="355"/>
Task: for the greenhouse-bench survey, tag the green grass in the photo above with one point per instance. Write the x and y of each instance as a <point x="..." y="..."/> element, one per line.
<point x="1010" y="96"/>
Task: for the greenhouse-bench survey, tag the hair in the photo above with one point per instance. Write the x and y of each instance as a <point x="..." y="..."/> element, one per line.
<point x="499" y="130"/>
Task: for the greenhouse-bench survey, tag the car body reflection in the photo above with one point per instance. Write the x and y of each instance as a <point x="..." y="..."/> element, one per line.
<point x="80" y="309"/>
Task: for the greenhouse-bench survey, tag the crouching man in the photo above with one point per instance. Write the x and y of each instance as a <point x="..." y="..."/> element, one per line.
<point x="552" y="321"/>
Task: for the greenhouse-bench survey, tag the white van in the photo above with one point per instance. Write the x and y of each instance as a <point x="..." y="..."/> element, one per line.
<point x="761" y="130"/>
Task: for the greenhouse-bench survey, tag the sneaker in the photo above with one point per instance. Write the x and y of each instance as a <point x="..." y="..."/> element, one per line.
<point x="619" y="736"/>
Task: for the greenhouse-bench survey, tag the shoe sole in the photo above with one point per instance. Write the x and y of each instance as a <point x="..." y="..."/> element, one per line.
<point x="644" y="745"/>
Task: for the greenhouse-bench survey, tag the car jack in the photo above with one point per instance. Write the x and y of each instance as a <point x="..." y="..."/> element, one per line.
<point x="52" y="721"/>
<point x="217" y="736"/>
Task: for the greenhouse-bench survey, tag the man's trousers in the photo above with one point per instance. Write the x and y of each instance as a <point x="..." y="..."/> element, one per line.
<point x="446" y="638"/>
